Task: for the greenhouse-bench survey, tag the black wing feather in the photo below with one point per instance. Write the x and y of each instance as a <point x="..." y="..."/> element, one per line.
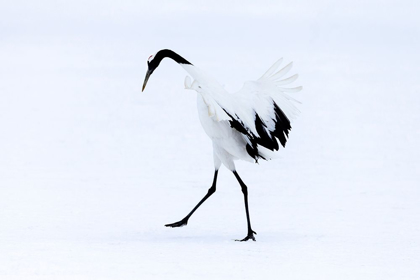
<point x="265" y="138"/>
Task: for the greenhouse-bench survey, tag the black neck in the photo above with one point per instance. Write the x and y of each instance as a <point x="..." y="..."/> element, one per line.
<point x="166" y="53"/>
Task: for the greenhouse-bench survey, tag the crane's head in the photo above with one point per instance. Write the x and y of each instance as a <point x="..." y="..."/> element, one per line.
<point x="152" y="64"/>
<point x="154" y="60"/>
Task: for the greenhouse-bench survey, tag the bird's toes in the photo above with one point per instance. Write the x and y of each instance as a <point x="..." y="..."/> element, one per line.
<point x="248" y="237"/>
<point x="181" y="223"/>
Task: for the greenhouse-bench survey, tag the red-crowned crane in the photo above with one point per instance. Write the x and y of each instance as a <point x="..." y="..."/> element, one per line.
<point x="250" y="124"/>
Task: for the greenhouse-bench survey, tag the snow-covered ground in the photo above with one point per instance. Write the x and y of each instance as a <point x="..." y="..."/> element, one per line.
<point x="91" y="168"/>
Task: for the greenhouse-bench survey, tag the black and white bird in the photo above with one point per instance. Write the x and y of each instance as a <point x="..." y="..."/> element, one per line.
<point x="250" y="124"/>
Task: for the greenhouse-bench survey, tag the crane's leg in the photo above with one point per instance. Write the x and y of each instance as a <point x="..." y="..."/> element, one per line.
<point x="244" y="188"/>
<point x="211" y="191"/>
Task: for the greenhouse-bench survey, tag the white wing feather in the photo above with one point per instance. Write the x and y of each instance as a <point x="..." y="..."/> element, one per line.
<point x="260" y="94"/>
<point x="272" y="69"/>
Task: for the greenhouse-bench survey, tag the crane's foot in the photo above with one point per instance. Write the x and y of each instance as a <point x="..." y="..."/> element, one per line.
<point x="248" y="237"/>
<point x="181" y="223"/>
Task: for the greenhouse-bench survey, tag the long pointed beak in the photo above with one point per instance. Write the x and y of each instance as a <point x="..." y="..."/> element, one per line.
<point x="146" y="79"/>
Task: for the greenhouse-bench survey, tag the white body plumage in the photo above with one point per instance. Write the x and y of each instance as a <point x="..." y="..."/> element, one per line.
<point x="216" y="107"/>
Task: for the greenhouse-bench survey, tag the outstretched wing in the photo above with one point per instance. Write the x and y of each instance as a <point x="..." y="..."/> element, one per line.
<point x="262" y="111"/>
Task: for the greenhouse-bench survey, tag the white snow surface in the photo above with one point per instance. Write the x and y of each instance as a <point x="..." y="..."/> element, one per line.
<point x="91" y="168"/>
